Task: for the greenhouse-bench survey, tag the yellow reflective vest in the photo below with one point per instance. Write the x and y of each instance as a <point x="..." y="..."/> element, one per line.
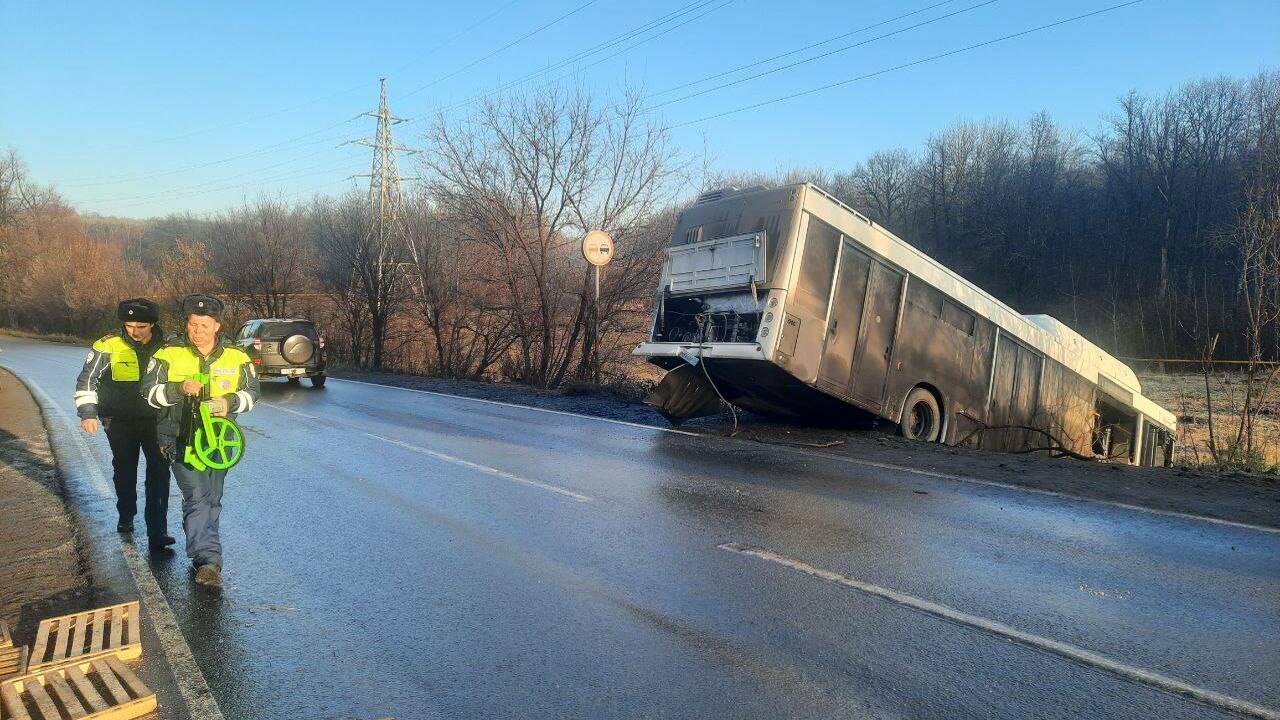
<point x="230" y="372"/>
<point x="108" y="384"/>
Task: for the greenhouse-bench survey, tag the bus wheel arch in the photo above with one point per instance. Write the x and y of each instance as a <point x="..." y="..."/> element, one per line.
<point x="923" y="415"/>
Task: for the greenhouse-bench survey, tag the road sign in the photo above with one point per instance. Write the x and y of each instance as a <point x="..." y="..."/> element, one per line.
<point x="597" y="248"/>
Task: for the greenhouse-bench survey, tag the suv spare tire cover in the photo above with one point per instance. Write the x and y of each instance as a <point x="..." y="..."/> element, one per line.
<point x="297" y="349"/>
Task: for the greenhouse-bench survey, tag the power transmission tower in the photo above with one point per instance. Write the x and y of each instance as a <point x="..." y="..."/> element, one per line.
<point x="387" y="228"/>
<point x="388" y="237"/>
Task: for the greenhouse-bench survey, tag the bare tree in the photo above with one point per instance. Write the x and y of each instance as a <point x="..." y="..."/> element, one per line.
<point x="187" y="269"/>
<point x="365" y="277"/>
<point x="259" y="254"/>
<point x="880" y="186"/>
<point x="458" y="297"/>
<point x="526" y="177"/>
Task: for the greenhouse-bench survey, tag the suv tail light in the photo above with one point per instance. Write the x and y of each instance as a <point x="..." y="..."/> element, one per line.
<point x="257" y="361"/>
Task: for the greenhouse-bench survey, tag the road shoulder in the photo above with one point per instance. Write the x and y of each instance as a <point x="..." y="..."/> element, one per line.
<point x="65" y="561"/>
<point x="43" y="560"/>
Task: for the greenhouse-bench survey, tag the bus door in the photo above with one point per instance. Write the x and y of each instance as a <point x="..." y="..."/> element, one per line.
<point x="845" y="320"/>
<point x="871" y="362"/>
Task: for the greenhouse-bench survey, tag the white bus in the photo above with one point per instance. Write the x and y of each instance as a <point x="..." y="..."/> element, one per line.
<point x="787" y="302"/>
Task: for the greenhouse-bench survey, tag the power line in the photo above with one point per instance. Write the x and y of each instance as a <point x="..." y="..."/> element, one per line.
<point x="210" y="191"/>
<point x="218" y="181"/>
<point x="811" y="46"/>
<point x="623" y="51"/>
<point x="820" y="56"/>
<point x="504" y="48"/>
<point x="599" y="47"/>
<point x="438" y="46"/>
<point x="111" y="180"/>
<point x="903" y="66"/>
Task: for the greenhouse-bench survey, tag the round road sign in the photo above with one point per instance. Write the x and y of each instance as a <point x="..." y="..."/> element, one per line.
<point x="597" y="248"/>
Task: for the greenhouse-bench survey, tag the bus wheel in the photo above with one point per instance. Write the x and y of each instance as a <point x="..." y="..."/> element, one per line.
<point x="921" y="417"/>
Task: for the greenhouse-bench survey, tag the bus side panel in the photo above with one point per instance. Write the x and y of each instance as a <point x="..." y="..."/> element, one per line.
<point x="1016" y="414"/>
<point x="946" y="348"/>
<point x="811" y="327"/>
<point x="1067" y="403"/>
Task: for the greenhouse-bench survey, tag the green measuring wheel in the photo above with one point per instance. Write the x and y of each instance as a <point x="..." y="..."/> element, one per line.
<point x="217" y="444"/>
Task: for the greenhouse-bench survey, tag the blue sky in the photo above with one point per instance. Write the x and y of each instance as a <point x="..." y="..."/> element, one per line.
<point x="140" y="109"/>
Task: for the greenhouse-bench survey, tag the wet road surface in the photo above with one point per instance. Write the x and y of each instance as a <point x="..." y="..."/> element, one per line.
<point x="396" y="553"/>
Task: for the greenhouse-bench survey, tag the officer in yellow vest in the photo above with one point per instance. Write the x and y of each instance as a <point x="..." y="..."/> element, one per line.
<point x="232" y="389"/>
<point x="108" y="388"/>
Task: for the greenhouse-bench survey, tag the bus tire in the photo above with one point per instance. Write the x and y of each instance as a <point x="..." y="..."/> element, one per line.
<point x="921" y="417"/>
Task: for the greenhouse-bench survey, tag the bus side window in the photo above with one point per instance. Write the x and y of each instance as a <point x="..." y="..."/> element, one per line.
<point x="817" y="267"/>
<point x="958" y="317"/>
<point x="924" y="297"/>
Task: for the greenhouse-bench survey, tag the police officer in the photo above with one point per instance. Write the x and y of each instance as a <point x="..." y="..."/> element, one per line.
<point x="232" y="389"/>
<point x="108" y="388"/>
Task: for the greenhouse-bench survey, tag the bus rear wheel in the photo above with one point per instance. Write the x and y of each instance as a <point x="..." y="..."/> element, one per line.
<point x="921" y="417"/>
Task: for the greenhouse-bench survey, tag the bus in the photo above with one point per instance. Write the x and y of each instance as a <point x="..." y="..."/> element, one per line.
<point x="787" y="302"/>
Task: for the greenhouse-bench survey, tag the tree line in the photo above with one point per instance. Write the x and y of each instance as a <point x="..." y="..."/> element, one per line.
<point x="1157" y="234"/>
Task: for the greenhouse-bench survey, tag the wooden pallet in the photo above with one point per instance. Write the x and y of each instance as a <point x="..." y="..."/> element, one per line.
<point x="114" y="630"/>
<point x="98" y="689"/>
<point x="13" y="660"/>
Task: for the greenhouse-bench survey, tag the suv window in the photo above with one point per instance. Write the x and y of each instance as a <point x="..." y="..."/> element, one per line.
<point x="282" y="330"/>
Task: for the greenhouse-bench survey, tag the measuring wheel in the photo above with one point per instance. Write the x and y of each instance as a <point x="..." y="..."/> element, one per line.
<point x="218" y="444"/>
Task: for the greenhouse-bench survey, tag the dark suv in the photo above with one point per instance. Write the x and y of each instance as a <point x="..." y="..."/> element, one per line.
<point x="284" y="348"/>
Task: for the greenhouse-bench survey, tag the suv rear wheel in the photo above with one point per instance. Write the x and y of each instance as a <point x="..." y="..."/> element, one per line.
<point x="317" y="381"/>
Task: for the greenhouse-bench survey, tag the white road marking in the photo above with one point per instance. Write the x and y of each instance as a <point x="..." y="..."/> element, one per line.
<point x="1071" y="652"/>
<point x="856" y="461"/>
<point x="288" y="410"/>
<point x="484" y="468"/>
<point x="455" y="460"/>
<point x="1050" y="493"/>
<point x="527" y="407"/>
<point x="67" y="441"/>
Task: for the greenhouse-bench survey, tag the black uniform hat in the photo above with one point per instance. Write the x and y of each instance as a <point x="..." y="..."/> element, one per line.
<point x="138" y="310"/>
<point x="201" y="304"/>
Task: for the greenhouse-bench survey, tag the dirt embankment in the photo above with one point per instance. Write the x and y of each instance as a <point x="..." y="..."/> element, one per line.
<point x="43" y="569"/>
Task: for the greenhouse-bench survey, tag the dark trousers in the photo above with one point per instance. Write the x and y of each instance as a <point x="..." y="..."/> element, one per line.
<point x="201" y="509"/>
<point x="127" y="438"/>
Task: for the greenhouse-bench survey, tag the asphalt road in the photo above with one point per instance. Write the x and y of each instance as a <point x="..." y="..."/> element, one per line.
<point x="396" y="553"/>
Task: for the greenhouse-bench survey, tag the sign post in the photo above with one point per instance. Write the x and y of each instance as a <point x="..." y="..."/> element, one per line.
<point x="597" y="248"/>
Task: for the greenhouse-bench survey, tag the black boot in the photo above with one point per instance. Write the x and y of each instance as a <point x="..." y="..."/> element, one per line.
<point x="159" y="545"/>
<point x="124" y="525"/>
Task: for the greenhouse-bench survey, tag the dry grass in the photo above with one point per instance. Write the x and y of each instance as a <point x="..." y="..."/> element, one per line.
<point x="50" y="337"/>
<point x="1184" y="395"/>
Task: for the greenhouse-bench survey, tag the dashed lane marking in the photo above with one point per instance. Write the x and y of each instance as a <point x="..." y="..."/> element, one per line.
<point x="526" y="407"/>
<point x="75" y="458"/>
<point x="288" y="410"/>
<point x="855" y="461"/>
<point x="1066" y="650"/>
<point x="455" y="460"/>
<point x="484" y="469"/>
